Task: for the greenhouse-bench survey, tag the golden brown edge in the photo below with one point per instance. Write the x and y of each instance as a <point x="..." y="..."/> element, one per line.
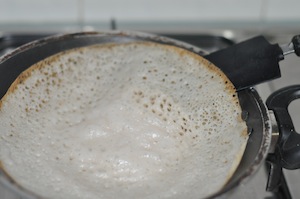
<point x="182" y="52"/>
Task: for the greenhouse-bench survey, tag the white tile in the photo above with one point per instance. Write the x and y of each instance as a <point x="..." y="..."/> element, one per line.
<point x="279" y="10"/>
<point x="18" y="11"/>
<point x="171" y="10"/>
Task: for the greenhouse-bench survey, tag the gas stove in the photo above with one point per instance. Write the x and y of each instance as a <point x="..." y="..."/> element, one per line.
<point x="256" y="187"/>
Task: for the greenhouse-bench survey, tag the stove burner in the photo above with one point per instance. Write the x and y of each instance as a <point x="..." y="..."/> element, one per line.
<point x="276" y="180"/>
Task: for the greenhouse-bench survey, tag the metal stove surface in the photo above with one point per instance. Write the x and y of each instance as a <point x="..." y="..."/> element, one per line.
<point x="256" y="187"/>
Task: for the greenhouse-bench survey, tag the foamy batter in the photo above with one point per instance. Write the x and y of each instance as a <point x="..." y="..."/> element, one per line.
<point x="137" y="120"/>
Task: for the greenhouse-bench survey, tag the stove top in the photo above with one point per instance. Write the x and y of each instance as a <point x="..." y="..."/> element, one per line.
<point x="256" y="188"/>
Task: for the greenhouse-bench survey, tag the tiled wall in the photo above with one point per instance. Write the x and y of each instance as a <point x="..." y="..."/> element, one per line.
<point x="139" y="13"/>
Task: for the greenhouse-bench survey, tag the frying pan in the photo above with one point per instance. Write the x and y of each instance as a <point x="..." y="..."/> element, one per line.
<point x="258" y="118"/>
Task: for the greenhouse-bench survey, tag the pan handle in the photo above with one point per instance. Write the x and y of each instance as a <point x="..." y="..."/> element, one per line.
<point x="296" y="44"/>
<point x="288" y="144"/>
<point x="292" y="47"/>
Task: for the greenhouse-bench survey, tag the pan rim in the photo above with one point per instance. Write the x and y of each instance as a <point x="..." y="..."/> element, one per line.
<point x="263" y="151"/>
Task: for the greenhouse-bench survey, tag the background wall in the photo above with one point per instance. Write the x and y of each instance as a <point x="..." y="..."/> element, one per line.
<point x="151" y="15"/>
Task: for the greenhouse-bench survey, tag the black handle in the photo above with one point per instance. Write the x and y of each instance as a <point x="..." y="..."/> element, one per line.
<point x="250" y="62"/>
<point x="296" y="44"/>
<point x="288" y="145"/>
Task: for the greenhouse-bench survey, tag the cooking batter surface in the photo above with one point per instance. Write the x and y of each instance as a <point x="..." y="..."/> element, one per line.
<point x="136" y="120"/>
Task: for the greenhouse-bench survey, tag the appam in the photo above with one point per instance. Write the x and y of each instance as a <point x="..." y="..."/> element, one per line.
<point x="131" y="120"/>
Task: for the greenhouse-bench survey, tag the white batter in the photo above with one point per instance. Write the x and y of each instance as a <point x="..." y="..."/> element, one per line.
<point x="137" y="120"/>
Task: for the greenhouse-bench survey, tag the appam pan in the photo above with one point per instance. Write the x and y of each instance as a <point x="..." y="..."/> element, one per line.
<point x="255" y="113"/>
